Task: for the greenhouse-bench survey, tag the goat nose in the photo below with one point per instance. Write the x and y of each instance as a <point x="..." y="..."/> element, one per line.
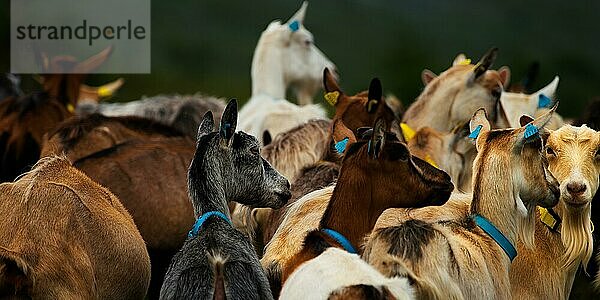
<point x="576" y="188"/>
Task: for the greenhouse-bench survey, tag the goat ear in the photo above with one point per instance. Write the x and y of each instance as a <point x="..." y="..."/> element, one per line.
<point x="483" y="65"/>
<point x="427" y="76"/>
<point x="549" y="90"/>
<point x="531" y="131"/>
<point x="459" y="59"/>
<point x="479" y="124"/>
<point x="298" y="17"/>
<point x="206" y="126"/>
<point x="375" y="94"/>
<point x="229" y="122"/>
<point x="525" y="119"/>
<point x="377" y="141"/>
<point x="504" y="73"/>
<point x="331" y="87"/>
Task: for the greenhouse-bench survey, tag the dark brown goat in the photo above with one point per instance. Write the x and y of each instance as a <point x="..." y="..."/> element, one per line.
<point x="377" y="173"/>
<point x="24" y="120"/>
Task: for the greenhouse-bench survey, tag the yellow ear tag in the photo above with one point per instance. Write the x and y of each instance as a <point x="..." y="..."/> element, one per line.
<point x="104" y="91"/>
<point x="430" y="160"/>
<point x="464" y="62"/>
<point x="547" y="218"/>
<point x="70" y="108"/>
<point x="407" y="132"/>
<point x="332" y="97"/>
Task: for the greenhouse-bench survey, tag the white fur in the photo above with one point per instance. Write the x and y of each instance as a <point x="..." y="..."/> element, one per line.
<point x="514" y="105"/>
<point x="283" y="59"/>
<point x="334" y="269"/>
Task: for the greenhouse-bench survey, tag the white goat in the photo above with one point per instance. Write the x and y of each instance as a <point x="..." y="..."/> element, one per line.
<point x="336" y="269"/>
<point x="285" y="56"/>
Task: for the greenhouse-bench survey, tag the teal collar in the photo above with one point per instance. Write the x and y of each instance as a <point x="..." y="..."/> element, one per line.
<point x="338" y="237"/>
<point x="203" y="218"/>
<point x="496" y="235"/>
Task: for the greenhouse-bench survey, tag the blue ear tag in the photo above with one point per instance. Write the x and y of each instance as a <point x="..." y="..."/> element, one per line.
<point x="294" y="26"/>
<point x="544" y="101"/>
<point x="340" y="146"/>
<point x="531" y="130"/>
<point x="475" y="133"/>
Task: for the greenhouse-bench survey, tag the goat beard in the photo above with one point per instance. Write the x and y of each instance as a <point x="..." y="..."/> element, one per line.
<point x="576" y="235"/>
<point x="527" y="227"/>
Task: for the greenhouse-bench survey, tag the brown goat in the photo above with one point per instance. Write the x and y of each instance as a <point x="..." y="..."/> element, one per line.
<point x="145" y="164"/>
<point x="24" y="120"/>
<point x="368" y="184"/>
<point x="63" y="236"/>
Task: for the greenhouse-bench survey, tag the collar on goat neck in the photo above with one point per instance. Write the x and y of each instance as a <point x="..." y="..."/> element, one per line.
<point x="203" y="218"/>
<point x="344" y="214"/>
<point x="497" y="235"/>
<point x="341" y="239"/>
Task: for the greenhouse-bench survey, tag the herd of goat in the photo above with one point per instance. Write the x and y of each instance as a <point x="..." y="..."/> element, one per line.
<point x="478" y="190"/>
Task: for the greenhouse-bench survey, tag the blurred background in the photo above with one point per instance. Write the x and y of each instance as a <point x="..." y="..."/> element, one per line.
<point x="207" y="45"/>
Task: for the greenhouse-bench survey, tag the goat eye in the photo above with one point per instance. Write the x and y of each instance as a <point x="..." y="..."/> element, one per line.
<point x="549" y="151"/>
<point x="255" y="150"/>
<point x="307" y="42"/>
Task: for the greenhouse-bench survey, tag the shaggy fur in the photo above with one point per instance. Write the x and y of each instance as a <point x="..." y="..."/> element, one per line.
<point x="321" y="278"/>
<point x="451" y="98"/>
<point x="63" y="236"/>
<point x="183" y="112"/>
<point x="571" y="156"/>
<point x="454" y="255"/>
<point x="220" y="260"/>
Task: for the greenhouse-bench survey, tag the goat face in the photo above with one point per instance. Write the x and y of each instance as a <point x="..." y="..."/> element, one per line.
<point x="234" y="158"/>
<point x="397" y="176"/>
<point x="574" y="158"/>
<point x="520" y="150"/>
<point x="302" y="61"/>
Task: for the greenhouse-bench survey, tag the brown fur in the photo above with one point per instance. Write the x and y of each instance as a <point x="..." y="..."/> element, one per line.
<point x="66" y="237"/>
<point x="448" y="251"/>
<point x="361" y="291"/>
<point x="145" y="165"/>
<point x="358" y="199"/>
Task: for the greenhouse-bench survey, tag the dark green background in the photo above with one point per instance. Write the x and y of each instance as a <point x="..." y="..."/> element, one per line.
<point x="207" y="45"/>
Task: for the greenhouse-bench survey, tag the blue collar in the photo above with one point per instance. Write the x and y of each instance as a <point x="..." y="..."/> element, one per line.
<point x="496" y="235"/>
<point x="203" y="218"/>
<point x="338" y="237"/>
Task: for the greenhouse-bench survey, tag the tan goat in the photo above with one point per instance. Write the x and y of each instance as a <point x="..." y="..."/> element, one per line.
<point x="468" y="255"/>
<point x="564" y="240"/>
<point x="451" y="98"/>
